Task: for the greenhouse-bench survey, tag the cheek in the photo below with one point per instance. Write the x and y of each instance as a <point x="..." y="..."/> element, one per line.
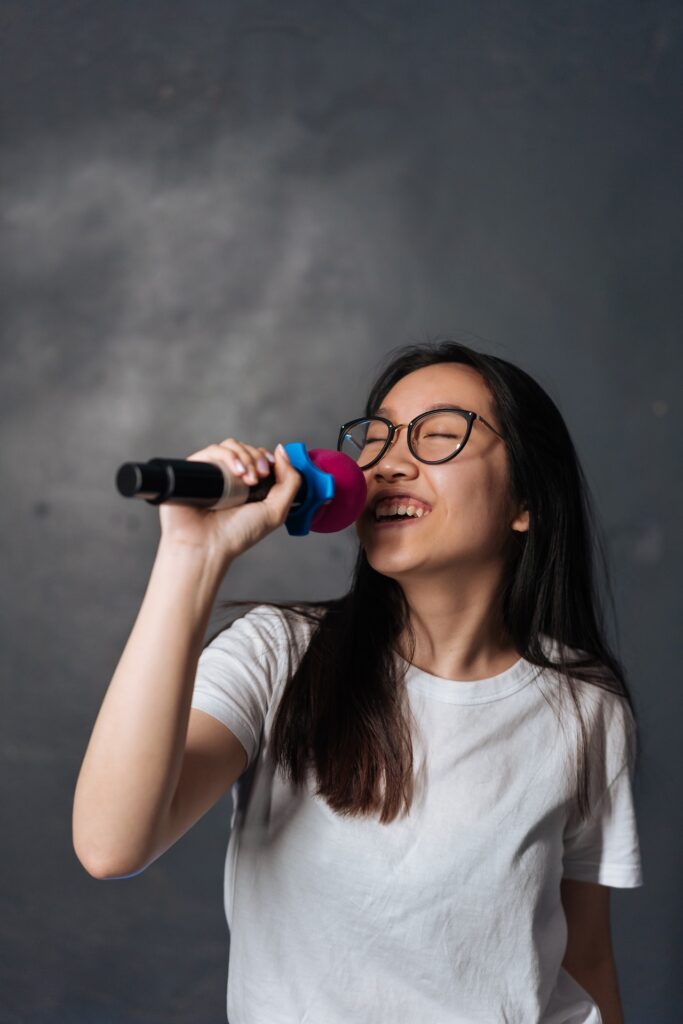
<point x="474" y="502"/>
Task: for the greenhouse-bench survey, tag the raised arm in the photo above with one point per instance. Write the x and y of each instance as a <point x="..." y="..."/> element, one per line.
<point x="146" y="776"/>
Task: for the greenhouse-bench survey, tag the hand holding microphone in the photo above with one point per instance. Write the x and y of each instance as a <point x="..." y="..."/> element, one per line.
<point x="226" y="497"/>
<point x="228" y="532"/>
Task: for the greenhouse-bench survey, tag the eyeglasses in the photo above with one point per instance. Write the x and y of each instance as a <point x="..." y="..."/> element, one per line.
<point x="434" y="436"/>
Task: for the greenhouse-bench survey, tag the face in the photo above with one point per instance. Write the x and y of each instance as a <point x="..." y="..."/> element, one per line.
<point x="470" y="514"/>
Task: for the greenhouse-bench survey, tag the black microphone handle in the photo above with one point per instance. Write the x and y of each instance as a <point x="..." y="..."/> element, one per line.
<point x="186" y="482"/>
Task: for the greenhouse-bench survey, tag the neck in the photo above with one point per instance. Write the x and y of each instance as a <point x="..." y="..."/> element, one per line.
<point x="459" y="631"/>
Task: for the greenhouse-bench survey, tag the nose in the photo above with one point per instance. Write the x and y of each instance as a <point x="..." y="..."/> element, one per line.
<point x="397" y="458"/>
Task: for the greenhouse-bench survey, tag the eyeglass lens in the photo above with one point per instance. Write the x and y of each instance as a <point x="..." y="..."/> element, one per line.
<point x="435" y="437"/>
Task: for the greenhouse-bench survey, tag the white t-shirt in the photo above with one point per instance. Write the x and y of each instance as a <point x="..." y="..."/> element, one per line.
<point x="449" y="915"/>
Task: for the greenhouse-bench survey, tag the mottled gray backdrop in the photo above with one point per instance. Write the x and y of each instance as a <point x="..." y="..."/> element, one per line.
<point x="218" y="219"/>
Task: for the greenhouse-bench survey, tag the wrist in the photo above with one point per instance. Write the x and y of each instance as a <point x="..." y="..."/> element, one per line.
<point x="196" y="559"/>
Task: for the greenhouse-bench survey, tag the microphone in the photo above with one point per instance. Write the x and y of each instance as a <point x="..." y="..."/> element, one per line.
<point x="332" y="495"/>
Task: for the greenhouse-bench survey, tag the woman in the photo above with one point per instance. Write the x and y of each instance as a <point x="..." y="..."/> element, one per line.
<point x="433" y="771"/>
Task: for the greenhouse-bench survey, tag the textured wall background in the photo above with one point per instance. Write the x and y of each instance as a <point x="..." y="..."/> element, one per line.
<point x="218" y="218"/>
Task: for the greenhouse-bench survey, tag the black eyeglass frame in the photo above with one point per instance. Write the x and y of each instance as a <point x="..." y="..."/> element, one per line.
<point x="471" y="417"/>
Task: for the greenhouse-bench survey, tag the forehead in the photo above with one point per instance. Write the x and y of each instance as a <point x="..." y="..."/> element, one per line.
<point x="442" y="384"/>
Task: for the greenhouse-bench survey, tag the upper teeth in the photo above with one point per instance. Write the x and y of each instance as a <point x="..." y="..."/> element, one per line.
<point x="402" y="510"/>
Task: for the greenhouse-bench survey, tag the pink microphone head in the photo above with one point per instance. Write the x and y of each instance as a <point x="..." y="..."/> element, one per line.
<point x="350" y="491"/>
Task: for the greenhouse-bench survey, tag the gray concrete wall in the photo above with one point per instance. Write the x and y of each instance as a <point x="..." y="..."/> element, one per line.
<point x="218" y="218"/>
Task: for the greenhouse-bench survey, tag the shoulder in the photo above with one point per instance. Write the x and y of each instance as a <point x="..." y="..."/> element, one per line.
<point x="601" y="711"/>
<point x="267" y="629"/>
<point x="603" y="699"/>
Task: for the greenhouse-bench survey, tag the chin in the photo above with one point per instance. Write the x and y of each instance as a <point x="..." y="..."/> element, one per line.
<point x="391" y="563"/>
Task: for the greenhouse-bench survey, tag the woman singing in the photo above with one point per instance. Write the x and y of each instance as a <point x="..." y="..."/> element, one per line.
<point x="432" y="773"/>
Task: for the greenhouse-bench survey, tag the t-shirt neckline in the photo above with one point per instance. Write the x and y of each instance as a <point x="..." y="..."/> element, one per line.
<point x="471" y="691"/>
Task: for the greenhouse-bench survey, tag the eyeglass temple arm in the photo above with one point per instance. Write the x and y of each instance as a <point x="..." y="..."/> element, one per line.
<point x="478" y="417"/>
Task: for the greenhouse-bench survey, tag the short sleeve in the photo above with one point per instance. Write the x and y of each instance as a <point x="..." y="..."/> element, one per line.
<point x="239" y="671"/>
<point x="605" y="848"/>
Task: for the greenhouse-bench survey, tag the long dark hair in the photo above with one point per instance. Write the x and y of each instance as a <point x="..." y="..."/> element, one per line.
<point x="343" y="711"/>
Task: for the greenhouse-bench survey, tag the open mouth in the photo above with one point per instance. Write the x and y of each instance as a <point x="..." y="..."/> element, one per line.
<point x="397" y="510"/>
<point x="403" y="514"/>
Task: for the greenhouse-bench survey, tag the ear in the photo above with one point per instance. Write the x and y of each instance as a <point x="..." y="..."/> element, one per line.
<point x="521" y="520"/>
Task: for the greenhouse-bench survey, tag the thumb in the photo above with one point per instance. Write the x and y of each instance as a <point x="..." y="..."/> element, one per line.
<point x="288" y="480"/>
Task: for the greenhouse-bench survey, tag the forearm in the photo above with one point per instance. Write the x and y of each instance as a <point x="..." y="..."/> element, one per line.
<point x="602" y="984"/>
<point x="134" y="758"/>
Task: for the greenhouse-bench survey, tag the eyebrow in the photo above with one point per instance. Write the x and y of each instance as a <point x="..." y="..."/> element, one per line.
<point x="437" y="405"/>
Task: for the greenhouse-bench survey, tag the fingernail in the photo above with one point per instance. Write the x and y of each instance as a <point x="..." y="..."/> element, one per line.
<point x="270" y="457"/>
<point x="262" y="464"/>
<point x="281" y="450"/>
<point x="239" y="466"/>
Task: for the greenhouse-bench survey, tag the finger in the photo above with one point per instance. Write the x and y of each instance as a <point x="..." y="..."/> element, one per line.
<point x="255" y="461"/>
<point x="288" y="482"/>
<point x="269" y="457"/>
<point x="260" y="461"/>
<point x="243" y="459"/>
<point x="229" y="454"/>
<point x="241" y="462"/>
